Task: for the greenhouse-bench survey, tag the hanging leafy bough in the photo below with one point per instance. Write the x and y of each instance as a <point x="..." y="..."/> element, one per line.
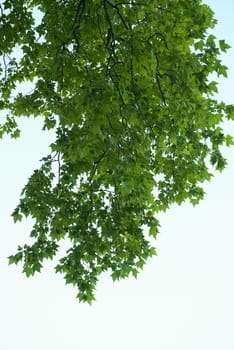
<point x="126" y="86"/>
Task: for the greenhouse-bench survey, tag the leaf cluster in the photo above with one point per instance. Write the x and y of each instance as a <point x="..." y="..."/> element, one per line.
<point x="126" y="87"/>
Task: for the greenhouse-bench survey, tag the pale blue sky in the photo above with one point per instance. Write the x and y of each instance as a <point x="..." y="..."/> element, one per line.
<point x="182" y="300"/>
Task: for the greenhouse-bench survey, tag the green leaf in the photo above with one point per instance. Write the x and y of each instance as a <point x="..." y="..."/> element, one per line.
<point x="223" y="45"/>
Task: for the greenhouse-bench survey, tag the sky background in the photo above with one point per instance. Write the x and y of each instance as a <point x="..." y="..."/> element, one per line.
<point x="184" y="298"/>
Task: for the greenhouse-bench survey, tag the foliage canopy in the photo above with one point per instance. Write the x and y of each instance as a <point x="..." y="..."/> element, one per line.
<point x="126" y="86"/>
